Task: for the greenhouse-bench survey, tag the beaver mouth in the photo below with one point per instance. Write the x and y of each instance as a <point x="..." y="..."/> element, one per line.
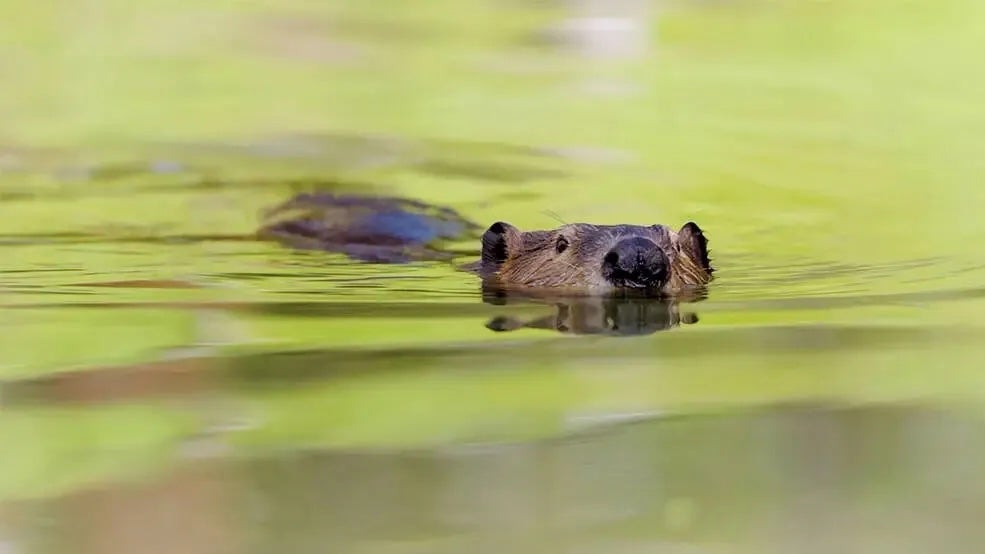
<point x="636" y="280"/>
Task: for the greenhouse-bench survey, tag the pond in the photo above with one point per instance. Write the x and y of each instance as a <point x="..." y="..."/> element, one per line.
<point x="172" y="384"/>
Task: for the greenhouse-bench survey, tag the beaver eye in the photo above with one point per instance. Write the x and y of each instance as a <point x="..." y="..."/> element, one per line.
<point x="561" y="245"/>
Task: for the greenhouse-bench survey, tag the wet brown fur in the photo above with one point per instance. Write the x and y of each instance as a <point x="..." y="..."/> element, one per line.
<point x="531" y="259"/>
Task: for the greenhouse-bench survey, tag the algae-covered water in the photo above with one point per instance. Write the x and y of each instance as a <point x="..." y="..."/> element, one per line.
<point x="168" y="384"/>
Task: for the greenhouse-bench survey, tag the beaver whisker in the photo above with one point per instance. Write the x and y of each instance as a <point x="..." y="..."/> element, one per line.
<point x="553" y="215"/>
<point x="579" y="272"/>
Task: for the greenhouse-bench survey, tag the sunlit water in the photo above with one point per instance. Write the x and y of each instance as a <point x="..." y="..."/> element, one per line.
<point x="170" y="384"/>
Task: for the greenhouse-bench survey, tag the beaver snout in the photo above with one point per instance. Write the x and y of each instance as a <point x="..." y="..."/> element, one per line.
<point x="636" y="262"/>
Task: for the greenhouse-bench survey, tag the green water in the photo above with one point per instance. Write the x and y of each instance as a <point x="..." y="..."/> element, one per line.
<point x="169" y="385"/>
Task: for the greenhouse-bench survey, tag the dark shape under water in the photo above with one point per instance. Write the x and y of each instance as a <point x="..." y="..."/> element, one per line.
<point x="365" y="228"/>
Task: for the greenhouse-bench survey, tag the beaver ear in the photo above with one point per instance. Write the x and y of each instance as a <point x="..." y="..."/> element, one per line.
<point x="495" y="249"/>
<point x="693" y="240"/>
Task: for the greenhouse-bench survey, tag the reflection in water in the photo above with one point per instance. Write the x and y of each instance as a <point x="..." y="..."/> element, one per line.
<point x="892" y="479"/>
<point x="601" y="315"/>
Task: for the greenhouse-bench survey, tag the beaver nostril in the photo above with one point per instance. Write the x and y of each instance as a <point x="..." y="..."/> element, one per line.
<point x="612" y="259"/>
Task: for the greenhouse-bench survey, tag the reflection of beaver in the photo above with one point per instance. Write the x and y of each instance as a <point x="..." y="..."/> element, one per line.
<point x="597" y="258"/>
<point x="603" y="315"/>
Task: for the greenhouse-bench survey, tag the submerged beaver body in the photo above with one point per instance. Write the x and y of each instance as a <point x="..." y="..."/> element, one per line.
<point x="597" y="258"/>
<point x="366" y="228"/>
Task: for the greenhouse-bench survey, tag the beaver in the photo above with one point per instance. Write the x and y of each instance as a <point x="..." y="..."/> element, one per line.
<point x="597" y="258"/>
<point x="575" y="257"/>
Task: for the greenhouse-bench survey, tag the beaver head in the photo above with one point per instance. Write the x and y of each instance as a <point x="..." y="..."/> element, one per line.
<point x="598" y="257"/>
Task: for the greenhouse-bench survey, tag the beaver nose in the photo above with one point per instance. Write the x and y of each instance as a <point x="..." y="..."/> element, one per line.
<point x="636" y="262"/>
